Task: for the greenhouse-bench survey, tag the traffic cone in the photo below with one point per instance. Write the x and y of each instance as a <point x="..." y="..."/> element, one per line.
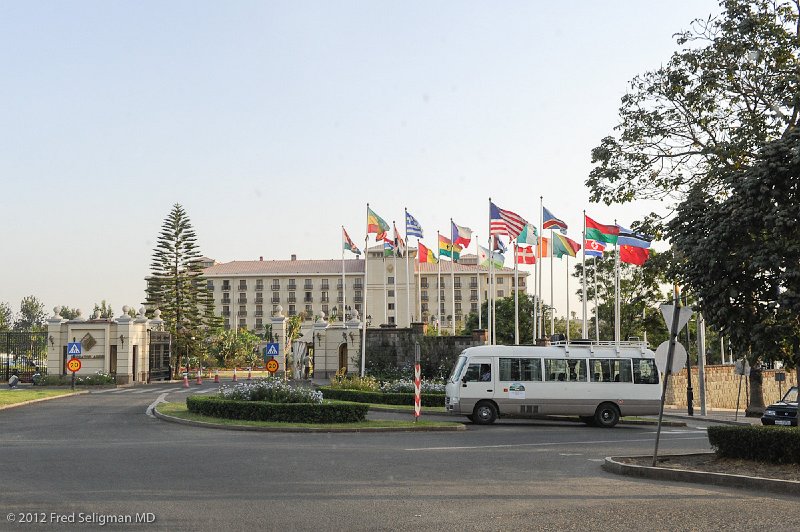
<point x="216" y="376"/>
<point x="199" y="375"/>
<point x="186" y="380"/>
<point x="249" y="373"/>
<point x="234" y="373"/>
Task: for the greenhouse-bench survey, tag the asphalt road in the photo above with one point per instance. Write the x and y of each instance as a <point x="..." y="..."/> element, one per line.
<point x="100" y="453"/>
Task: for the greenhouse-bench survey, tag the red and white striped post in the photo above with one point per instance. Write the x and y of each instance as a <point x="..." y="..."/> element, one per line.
<point x="417" y="383"/>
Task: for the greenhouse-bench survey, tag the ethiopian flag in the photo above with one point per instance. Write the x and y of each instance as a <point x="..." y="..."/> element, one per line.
<point x="564" y="246"/>
<point x="375" y="224"/>
<point x="600" y="232"/>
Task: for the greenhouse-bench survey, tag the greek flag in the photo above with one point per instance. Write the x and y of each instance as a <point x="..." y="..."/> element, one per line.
<point x="412" y="226"/>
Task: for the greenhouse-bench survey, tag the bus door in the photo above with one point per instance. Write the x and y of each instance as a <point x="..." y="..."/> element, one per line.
<point x="477" y="382"/>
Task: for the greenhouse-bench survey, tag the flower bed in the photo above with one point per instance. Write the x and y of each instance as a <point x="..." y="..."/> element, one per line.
<point x="407" y="386"/>
<point x="285" y="412"/>
<point x="270" y="390"/>
<point x="362" y="396"/>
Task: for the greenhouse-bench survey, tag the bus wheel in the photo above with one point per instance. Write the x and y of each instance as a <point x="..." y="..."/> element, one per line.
<point x="589" y="420"/>
<point x="484" y="414"/>
<point x="607" y="415"/>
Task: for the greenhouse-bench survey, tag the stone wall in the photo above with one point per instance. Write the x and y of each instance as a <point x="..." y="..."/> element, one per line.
<point x="722" y="387"/>
<point x="391" y="350"/>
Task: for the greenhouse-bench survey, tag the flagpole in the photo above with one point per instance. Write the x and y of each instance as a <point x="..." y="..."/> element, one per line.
<point x="552" y="299"/>
<point x="535" y="301"/>
<point x="385" y="295"/>
<point x="453" y="276"/>
<point x="617" y="325"/>
<point x="596" y="308"/>
<point x="540" y="313"/>
<point x="366" y="291"/>
<point x="419" y="281"/>
<point x="439" y="289"/>
<point x="568" y="316"/>
<point x="478" y="269"/>
<point x="516" y="295"/>
<point x="585" y="330"/>
<point x="489" y="324"/>
<point x="344" y="292"/>
<point x="408" y="265"/>
<point x="394" y="260"/>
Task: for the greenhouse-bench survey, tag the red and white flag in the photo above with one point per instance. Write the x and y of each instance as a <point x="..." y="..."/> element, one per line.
<point x="526" y="255"/>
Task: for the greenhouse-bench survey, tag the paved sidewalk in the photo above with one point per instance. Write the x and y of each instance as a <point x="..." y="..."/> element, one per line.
<point x="728" y="417"/>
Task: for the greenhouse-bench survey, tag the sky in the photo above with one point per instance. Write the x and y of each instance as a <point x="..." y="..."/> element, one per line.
<point x="274" y="123"/>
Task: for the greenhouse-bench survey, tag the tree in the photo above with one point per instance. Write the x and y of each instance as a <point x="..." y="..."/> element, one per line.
<point x="176" y="285"/>
<point x="31" y="315"/>
<point x="6" y="317"/>
<point x="741" y="255"/>
<point x="505" y="319"/>
<point x="234" y="348"/>
<point x="103" y="310"/>
<point x="640" y="294"/>
<point x="731" y="89"/>
<point x="68" y="313"/>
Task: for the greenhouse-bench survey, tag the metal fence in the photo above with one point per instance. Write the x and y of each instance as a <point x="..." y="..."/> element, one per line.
<point x="25" y="352"/>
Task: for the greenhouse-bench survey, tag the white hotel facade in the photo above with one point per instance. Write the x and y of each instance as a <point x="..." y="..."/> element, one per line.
<point x="247" y="293"/>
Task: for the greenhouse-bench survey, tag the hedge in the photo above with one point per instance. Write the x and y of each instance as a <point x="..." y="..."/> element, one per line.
<point x="778" y="445"/>
<point x="358" y="396"/>
<point x="284" y="412"/>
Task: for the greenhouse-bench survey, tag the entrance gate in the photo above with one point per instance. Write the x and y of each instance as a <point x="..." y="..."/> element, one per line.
<point x="160" y="343"/>
<point x="23" y="351"/>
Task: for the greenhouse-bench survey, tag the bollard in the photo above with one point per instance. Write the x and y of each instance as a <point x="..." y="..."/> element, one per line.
<point x="234" y="373"/>
<point x="200" y="375"/>
<point x="216" y="376"/>
<point x="249" y="373"/>
<point x="186" y="380"/>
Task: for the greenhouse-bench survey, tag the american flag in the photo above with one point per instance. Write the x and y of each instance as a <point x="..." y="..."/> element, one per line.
<point x="503" y="222"/>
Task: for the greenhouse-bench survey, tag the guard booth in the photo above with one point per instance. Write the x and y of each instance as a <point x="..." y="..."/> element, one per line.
<point x="160" y="351"/>
<point x="25" y="352"/>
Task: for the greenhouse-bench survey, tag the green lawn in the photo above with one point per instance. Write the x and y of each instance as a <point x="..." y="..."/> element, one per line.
<point x="20" y="395"/>
<point x="179" y="410"/>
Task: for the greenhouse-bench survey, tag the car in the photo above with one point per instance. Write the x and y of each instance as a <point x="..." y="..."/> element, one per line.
<point x="784" y="412"/>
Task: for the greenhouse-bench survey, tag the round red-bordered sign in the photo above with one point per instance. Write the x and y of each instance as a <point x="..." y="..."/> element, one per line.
<point x="272" y="365"/>
<point x="73" y="364"/>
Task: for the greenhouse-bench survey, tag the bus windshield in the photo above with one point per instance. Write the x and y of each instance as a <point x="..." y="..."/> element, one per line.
<point x="462" y="361"/>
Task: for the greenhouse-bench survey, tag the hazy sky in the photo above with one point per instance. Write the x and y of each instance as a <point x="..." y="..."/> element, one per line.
<point x="274" y="123"/>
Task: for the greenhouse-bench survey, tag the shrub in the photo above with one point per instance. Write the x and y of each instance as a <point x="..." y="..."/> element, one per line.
<point x="778" y="445"/>
<point x="407" y="386"/>
<point x="284" y="412"/>
<point x="354" y="382"/>
<point x="360" y="396"/>
<point x="95" y="379"/>
<point x="271" y="390"/>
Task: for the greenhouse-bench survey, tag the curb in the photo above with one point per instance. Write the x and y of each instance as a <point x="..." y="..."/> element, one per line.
<point x="15" y="405"/>
<point x="784" y="487"/>
<point x="191" y="423"/>
<point x="708" y="419"/>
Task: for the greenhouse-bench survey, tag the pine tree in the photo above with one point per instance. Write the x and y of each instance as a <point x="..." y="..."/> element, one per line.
<point x="177" y="287"/>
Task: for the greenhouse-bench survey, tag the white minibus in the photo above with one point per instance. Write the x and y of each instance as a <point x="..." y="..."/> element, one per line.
<point x="599" y="382"/>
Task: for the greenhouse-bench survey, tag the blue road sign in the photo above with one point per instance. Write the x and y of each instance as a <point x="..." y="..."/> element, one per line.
<point x="74" y="348"/>
<point x="271" y="350"/>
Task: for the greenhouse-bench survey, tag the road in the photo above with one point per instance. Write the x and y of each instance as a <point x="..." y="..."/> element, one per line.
<point x="101" y="453"/>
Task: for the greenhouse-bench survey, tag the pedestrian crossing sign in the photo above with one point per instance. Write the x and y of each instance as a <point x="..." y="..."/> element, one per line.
<point x="271" y="350"/>
<point x="73" y="348"/>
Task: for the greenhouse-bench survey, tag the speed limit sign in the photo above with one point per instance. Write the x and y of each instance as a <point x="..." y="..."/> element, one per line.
<point x="74" y="364"/>
<point x="272" y="365"/>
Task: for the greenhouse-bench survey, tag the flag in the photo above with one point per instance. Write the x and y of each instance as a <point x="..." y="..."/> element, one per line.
<point x="426" y="255"/>
<point x="564" y="246"/>
<point x="460" y="235"/>
<point x="551" y="222"/>
<point x="348" y="244"/>
<point x="388" y="248"/>
<point x="601" y="233"/>
<point x="633" y="254"/>
<point x="593" y="248"/>
<point x="503" y="222"/>
<point x="448" y="249"/>
<point x="498" y="245"/>
<point x="412" y="226"/>
<point x="399" y="243"/>
<point x="528" y="235"/>
<point x="630" y="238"/>
<point x="545" y="243"/>
<point x="375" y="224"/>
<point x="485" y="257"/>
<point x="526" y="255"/>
